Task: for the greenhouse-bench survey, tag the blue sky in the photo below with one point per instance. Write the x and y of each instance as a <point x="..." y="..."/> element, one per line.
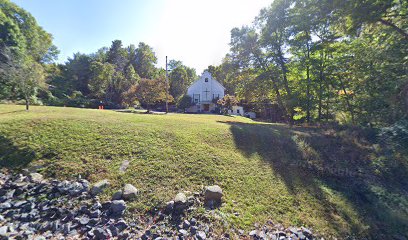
<point x="197" y="32"/>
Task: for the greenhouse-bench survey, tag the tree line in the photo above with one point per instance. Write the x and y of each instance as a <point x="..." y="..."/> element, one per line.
<point x="115" y="76"/>
<point x="323" y="60"/>
<point x="314" y="60"/>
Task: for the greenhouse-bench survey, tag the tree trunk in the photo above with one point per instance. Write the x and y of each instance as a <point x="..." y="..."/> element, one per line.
<point x="349" y="106"/>
<point x="308" y="80"/>
<point x="27" y="103"/>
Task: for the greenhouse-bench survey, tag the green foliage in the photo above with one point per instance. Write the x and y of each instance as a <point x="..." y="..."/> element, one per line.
<point x="325" y="57"/>
<point x="227" y="102"/>
<point x="184" y="102"/>
<point x="152" y="91"/>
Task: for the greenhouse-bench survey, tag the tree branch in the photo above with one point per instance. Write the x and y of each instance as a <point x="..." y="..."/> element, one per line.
<point x="392" y="25"/>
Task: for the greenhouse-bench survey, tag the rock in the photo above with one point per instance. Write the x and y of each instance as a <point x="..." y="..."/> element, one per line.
<point x="95" y="214"/>
<point x="193" y="229"/>
<point x="124" y="166"/>
<point x="117" y="207"/>
<point x="186" y="224"/>
<point x="180" y="198"/>
<point x="169" y="207"/>
<point x="183" y="232"/>
<point x="212" y="194"/>
<point x="83" y="220"/>
<point x="306" y="232"/>
<point x="98" y="187"/>
<point x="129" y="192"/>
<point x="36" y="177"/>
<point x="121" y="225"/>
<point x="117" y="195"/>
<point x="180" y="203"/>
<point x="3" y="231"/>
<point x="201" y="235"/>
<point x="100" y="233"/>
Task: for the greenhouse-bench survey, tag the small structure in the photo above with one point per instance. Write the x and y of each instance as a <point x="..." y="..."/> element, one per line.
<point x="250" y="115"/>
<point x="236" y="110"/>
<point x="204" y="92"/>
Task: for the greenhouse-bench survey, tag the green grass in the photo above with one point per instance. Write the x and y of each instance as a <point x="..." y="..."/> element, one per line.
<point x="335" y="182"/>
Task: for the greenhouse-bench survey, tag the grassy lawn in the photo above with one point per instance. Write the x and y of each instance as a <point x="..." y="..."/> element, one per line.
<point x="335" y="182"/>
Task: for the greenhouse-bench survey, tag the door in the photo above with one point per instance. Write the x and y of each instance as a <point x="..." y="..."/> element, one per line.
<point x="206" y="107"/>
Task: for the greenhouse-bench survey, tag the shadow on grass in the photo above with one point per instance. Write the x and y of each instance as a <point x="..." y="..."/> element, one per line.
<point x="12" y="156"/>
<point x="309" y="158"/>
<point x="3" y="113"/>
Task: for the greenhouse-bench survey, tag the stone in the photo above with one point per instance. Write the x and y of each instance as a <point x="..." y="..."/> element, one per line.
<point x="83" y="220"/>
<point x="100" y="233"/>
<point x="3" y="231"/>
<point x="212" y="194"/>
<point x="95" y="214"/>
<point x="129" y="192"/>
<point x="186" y="224"/>
<point x="180" y="198"/>
<point x="201" y="235"/>
<point x="169" y="207"/>
<point x="36" y="177"/>
<point x="98" y="187"/>
<point x="124" y="166"/>
<point x="121" y="225"/>
<point x="117" y="195"/>
<point x="183" y="232"/>
<point x="117" y="207"/>
<point x="193" y="229"/>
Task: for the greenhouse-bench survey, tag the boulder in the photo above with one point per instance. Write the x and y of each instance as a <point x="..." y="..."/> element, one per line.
<point x="129" y="192"/>
<point x="117" y="195"/>
<point x="117" y="207"/>
<point x="99" y="187"/>
<point x="180" y="198"/>
<point x="212" y="195"/>
<point x="180" y="203"/>
<point x="36" y="177"/>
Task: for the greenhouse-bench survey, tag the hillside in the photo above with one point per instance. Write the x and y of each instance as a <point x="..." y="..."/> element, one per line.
<point x="335" y="182"/>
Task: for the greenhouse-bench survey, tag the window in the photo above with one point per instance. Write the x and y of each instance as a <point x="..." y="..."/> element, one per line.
<point x="237" y="110"/>
<point x="196" y="98"/>
<point x="216" y="96"/>
<point x="206" y="79"/>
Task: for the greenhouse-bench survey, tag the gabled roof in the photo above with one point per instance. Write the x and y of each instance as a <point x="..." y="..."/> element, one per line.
<point x="206" y="74"/>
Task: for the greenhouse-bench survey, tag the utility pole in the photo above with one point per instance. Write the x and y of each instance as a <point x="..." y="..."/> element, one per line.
<point x="167" y="90"/>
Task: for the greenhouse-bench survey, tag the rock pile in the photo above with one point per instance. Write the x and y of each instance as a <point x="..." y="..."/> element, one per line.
<point x="32" y="207"/>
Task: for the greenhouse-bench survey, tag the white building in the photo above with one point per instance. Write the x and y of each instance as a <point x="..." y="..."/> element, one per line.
<point x="203" y="92"/>
<point x="236" y="110"/>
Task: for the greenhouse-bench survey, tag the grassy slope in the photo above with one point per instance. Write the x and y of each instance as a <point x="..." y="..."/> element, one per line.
<point x="321" y="179"/>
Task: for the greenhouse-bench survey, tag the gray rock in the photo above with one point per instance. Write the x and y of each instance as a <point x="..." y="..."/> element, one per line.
<point x="201" y="235"/>
<point x="186" y="224"/>
<point x="183" y="232"/>
<point x="3" y="231"/>
<point x="193" y="229"/>
<point x="129" y="192"/>
<point x="117" y="207"/>
<point x="124" y="166"/>
<point x="213" y="194"/>
<point x="169" y="207"/>
<point x="36" y="177"/>
<point x="117" y="195"/>
<point x="98" y="187"/>
<point x="100" y="233"/>
<point x="180" y="198"/>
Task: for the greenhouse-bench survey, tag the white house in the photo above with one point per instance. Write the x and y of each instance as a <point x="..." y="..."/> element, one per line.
<point x="236" y="110"/>
<point x="203" y="92"/>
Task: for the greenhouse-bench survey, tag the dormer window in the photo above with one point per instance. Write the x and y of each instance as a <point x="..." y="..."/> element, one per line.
<point x="206" y="79"/>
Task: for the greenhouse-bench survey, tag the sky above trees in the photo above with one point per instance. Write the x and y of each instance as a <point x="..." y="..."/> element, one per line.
<point x="195" y="32"/>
